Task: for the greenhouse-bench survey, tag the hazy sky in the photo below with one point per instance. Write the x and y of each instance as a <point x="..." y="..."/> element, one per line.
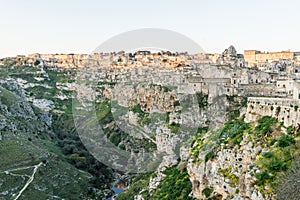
<point x="79" y="26"/>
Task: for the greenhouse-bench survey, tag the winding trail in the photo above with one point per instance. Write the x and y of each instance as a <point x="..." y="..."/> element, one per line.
<point x="8" y="172"/>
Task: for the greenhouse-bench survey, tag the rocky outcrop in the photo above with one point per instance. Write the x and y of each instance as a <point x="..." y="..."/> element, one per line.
<point x="228" y="174"/>
<point x="225" y="166"/>
<point x="152" y="98"/>
<point x="13" y="105"/>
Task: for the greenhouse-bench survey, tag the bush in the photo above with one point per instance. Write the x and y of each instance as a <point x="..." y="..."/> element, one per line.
<point x="115" y="138"/>
<point x="174" y="127"/>
<point x="272" y="142"/>
<point x="207" y="191"/>
<point x="176" y="185"/>
<point x="202" y="100"/>
<point x="276" y="165"/>
<point x="290" y="130"/>
<point x="137" y="109"/>
<point x="202" y="130"/>
<point x="210" y="155"/>
<point x="267" y="154"/>
<point x="141" y="182"/>
<point x="278" y="110"/>
<point x="285" y="141"/>
<point x="265" y="125"/>
<point x="263" y="177"/>
<point x="233" y="114"/>
<point x="176" y="103"/>
<point x="37" y="62"/>
<point x="232" y="132"/>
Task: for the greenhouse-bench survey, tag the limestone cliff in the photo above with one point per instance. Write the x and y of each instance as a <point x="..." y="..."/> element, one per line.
<point x="244" y="160"/>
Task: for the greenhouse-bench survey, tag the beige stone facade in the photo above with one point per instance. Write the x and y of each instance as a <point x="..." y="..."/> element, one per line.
<point x="253" y="57"/>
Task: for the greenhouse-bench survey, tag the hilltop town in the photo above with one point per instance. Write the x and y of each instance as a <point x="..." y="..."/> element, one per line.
<point x="272" y="77"/>
<point x="216" y="120"/>
<point x="264" y="76"/>
<point x="254" y="73"/>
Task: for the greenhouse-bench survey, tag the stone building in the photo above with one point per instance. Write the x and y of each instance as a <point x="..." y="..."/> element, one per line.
<point x="252" y="57"/>
<point x="297" y="90"/>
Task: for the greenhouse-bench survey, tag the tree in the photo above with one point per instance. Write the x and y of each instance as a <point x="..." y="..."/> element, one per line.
<point x="37" y="62"/>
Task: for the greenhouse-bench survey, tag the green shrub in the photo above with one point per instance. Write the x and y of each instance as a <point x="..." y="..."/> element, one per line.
<point x="272" y="142"/>
<point x="232" y="132"/>
<point x="176" y="103"/>
<point x="37" y="62"/>
<point x="139" y="183"/>
<point x="174" y="127"/>
<point x="115" y="138"/>
<point x="263" y="177"/>
<point x="278" y="110"/>
<point x="290" y="130"/>
<point x="277" y="165"/>
<point x="267" y="154"/>
<point x="202" y="130"/>
<point x="226" y="173"/>
<point x="137" y="109"/>
<point x="285" y="141"/>
<point x="210" y="155"/>
<point x="202" y="100"/>
<point x="176" y="185"/>
<point x="265" y="125"/>
<point x="233" y="114"/>
<point x="207" y="191"/>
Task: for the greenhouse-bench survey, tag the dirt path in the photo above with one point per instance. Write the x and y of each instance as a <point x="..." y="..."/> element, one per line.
<point x="35" y="168"/>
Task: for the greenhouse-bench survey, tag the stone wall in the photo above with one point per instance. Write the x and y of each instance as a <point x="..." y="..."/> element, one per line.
<point x="258" y="90"/>
<point x="286" y="110"/>
<point x="253" y="56"/>
<point x="296" y="91"/>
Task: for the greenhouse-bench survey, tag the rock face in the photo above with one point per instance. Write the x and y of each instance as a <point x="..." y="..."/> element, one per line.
<point x="13" y="105"/>
<point x="228" y="173"/>
<point x="151" y="98"/>
<point x="229" y="162"/>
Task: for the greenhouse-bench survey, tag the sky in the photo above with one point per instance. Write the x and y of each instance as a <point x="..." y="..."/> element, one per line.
<point x="79" y="26"/>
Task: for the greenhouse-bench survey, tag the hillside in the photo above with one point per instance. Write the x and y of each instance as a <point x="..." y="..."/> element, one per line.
<point x="67" y="133"/>
<point x="35" y="149"/>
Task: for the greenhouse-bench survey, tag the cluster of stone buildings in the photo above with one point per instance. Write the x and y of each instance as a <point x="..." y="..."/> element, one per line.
<point x="255" y="73"/>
